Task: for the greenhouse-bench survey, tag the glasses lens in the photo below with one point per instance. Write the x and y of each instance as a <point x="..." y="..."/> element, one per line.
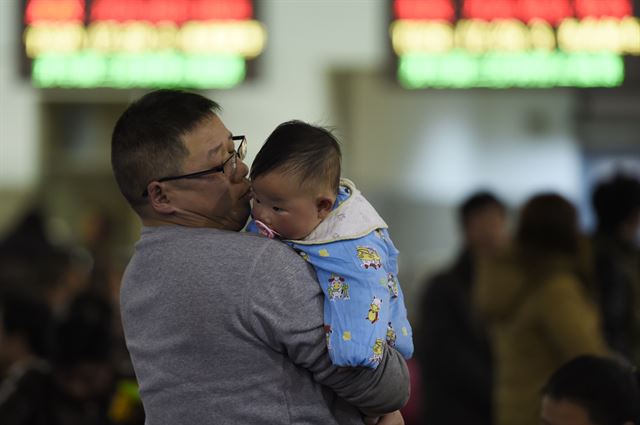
<point x="242" y="149"/>
<point x="230" y="164"/>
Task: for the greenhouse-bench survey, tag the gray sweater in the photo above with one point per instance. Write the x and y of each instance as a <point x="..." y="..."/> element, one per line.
<point x="227" y="328"/>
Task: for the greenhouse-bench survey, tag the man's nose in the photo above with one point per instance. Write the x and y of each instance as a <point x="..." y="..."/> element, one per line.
<point x="241" y="172"/>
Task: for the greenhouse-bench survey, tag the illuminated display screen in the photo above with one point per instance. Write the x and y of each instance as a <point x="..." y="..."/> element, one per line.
<point x="141" y="43"/>
<point x="513" y="43"/>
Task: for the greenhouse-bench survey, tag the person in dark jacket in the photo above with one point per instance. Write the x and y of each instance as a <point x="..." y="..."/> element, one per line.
<point x="617" y="262"/>
<point x="453" y="348"/>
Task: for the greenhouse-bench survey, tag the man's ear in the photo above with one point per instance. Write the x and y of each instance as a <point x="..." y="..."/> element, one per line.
<point x="158" y="199"/>
<point x="324" y="205"/>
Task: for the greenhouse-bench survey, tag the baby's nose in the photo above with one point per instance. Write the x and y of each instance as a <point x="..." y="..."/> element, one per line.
<point x="258" y="213"/>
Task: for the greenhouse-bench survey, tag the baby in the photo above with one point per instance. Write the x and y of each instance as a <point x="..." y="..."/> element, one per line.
<point x="299" y="197"/>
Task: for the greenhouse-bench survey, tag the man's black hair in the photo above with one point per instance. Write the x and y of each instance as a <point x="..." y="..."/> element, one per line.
<point x="306" y="151"/>
<point x="605" y="388"/>
<point x="147" y="139"/>
<point x="615" y="201"/>
<point x="476" y="202"/>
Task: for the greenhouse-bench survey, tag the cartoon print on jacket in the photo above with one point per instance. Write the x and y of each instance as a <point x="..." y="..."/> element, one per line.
<point x="303" y="254"/>
<point x="378" y="349"/>
<point x="392" y="284"/>
<point x="338" y="289"/>
<point x="391" y="336"/>
<point x="380" y="234"/>
<point x="374" y="310"/>
<point x="369" y="257"/>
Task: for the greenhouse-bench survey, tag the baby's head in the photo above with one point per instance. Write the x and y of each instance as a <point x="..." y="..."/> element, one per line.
<point x="295" y="178"/>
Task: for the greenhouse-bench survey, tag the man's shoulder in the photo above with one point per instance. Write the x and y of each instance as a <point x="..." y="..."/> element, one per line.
<point x="215" y="237"/>
<point x="213" y="247"/>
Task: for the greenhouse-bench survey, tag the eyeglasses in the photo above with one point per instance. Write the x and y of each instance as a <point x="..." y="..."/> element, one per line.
<point x="232" y="161"/>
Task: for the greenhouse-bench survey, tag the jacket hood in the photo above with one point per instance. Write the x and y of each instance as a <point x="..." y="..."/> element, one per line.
<point x="352" y="218"/>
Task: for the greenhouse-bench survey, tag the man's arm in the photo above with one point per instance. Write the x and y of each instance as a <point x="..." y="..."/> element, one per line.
<point x="285" y="308"/>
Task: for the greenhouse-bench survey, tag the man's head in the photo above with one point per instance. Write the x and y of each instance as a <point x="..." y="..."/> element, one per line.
<point x="591" y="390"/>
<point x="617" y="206"/>
<point x="483" y="219"/>
<point x="175" y="162"/>
<point x="295" y="178"/>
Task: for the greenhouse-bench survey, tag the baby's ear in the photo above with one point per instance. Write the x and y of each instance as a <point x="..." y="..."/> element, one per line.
<point x="324" y="204"/>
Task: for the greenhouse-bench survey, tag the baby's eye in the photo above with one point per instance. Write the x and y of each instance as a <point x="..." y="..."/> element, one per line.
<point x="256" y="200"/>
<point x="277" y="209"/>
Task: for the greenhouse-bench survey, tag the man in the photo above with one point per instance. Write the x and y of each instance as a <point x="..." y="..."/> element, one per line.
<point x="452" y="345"/>
<point x="617" y="262"/>
<point x="224" y="327"/>
<point x="591" y="390"/>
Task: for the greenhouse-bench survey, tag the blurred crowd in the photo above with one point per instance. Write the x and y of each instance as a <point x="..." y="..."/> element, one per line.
<point x="513" y="307"/>
<point x="517" y="305"/>
<point x="63" y="360"/>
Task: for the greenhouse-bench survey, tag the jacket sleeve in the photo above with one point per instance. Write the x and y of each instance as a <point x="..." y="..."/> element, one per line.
<point x="285" y="311"/>
<point x="570" y="318"/>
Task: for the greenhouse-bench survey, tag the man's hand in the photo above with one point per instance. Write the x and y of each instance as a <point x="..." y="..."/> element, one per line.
<point x="393" y="418"/>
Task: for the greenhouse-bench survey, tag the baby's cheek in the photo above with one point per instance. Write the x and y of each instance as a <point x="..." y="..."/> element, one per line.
<point x="255" y="211"/>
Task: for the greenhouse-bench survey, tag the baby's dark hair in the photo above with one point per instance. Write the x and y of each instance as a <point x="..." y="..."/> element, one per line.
<point x="306" y="151"/>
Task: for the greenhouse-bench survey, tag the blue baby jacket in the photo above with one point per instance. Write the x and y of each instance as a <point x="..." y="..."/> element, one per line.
<point x="356" y="264"/>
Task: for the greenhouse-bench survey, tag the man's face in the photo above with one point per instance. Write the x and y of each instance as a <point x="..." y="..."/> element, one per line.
<point x="219" y="200"/>
<point x="563" y="412"/>
<point x="486" y="229"/>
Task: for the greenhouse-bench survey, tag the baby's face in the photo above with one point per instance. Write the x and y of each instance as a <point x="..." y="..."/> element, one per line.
<point x="284" y="206"/>
<point x="563" y="412"/>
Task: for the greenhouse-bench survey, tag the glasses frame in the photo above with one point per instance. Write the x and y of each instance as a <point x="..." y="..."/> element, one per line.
<point x="239" y="152"/>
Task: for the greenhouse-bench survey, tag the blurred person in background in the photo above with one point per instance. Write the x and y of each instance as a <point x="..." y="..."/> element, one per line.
<point x="592" y="390"/>
<point x="617" y="261"/>
<point x="222" y="326"/>
<point x="537" y="305"/>
<point x="24" y="335"/>
<point x="77" y="386"/>
<point x="29" y="260"/>
<point x="106" y="266"/>
<point x="453" y="348"/>
<point x="97" y="234"/>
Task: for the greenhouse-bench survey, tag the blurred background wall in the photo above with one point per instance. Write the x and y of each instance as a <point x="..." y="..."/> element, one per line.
<point x="415" y="154"/>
